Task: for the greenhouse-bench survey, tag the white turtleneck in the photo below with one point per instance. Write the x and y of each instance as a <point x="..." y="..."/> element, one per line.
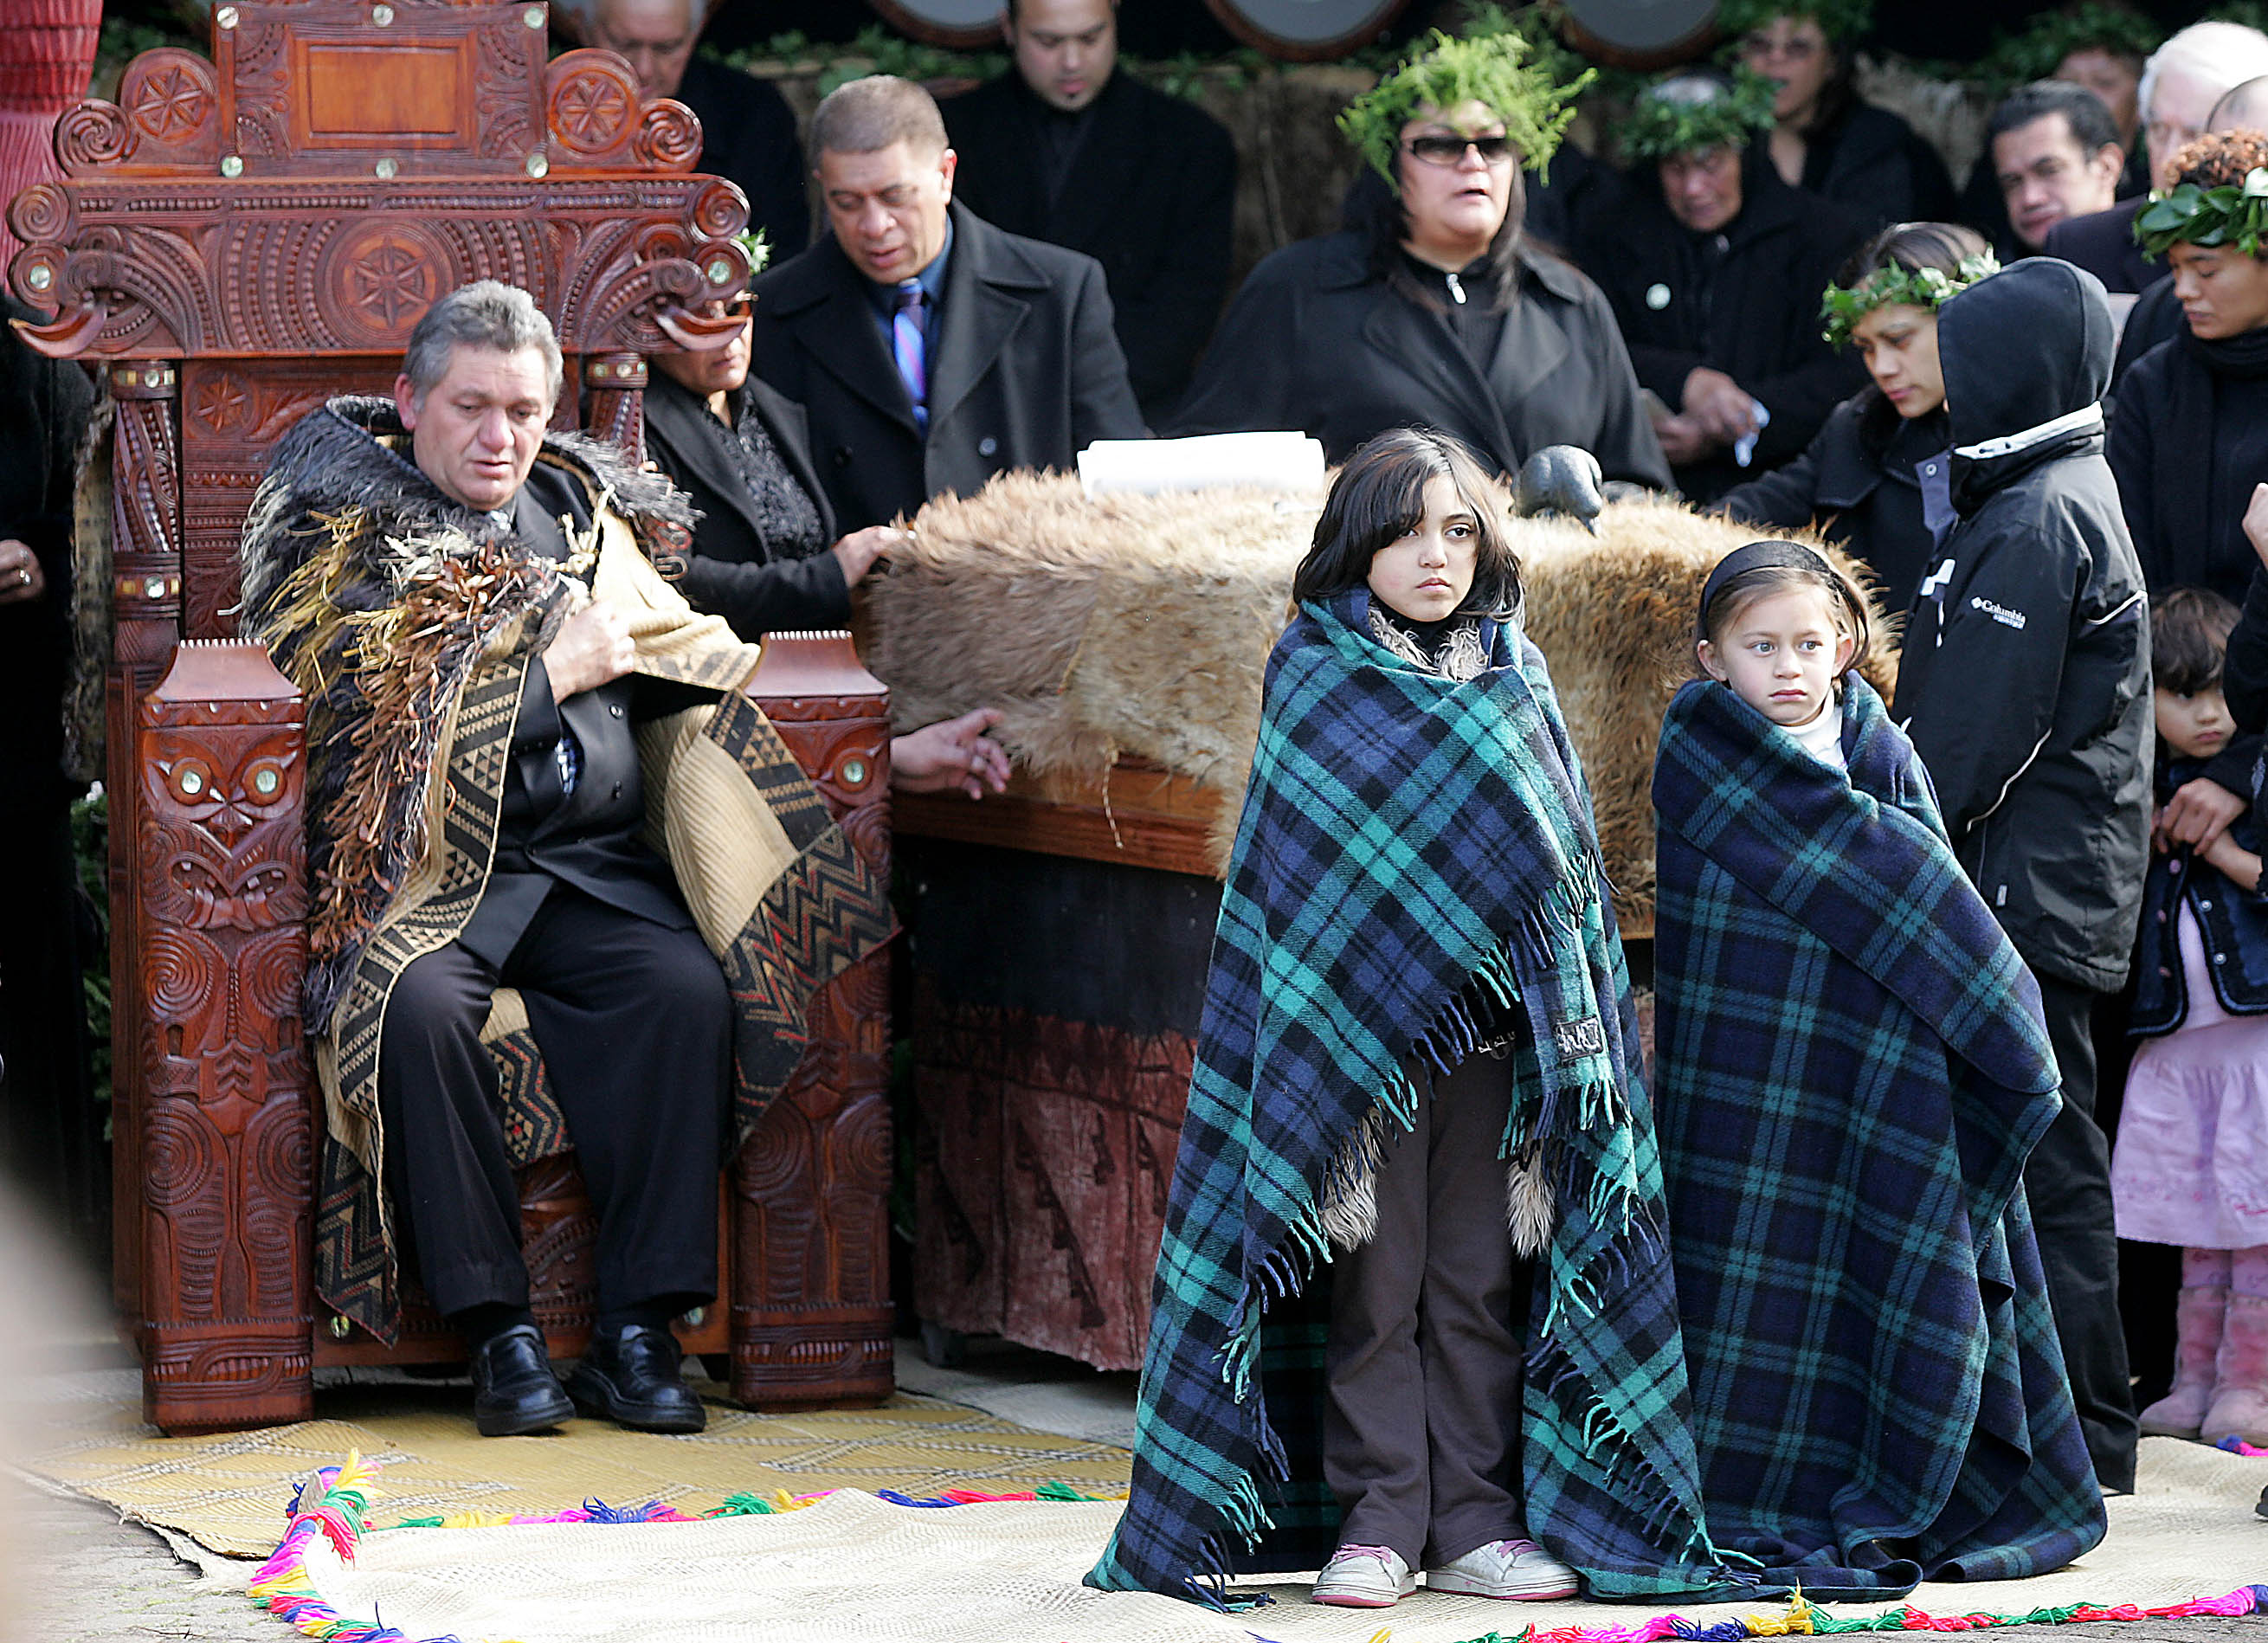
<point x="1822" y="737"/>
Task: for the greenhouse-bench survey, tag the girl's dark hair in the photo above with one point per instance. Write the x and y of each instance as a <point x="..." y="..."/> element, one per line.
<point x="1913" y="246"/>
<point x="1374" y="211"/>
<point x="1737" y="593"/>
<point x="2188" y="638"/>
<point x="1379" y="496"/>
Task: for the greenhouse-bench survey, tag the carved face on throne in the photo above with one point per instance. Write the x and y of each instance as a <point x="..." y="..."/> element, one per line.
<point x="476" y="431"/>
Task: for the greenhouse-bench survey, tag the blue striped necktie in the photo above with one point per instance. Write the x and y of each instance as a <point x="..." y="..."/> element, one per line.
<point x="910" y="348"/>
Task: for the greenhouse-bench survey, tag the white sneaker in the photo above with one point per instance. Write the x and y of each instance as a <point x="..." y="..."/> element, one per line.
<point x="1517" y="1569"/>
<point x="1364" y="1577"/>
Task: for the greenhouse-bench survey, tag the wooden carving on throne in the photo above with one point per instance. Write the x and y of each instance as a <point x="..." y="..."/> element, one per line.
<point x="233" y="240"/>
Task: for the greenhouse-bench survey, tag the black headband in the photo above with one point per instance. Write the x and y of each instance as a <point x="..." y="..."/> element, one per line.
<point x="1768" y="556"/>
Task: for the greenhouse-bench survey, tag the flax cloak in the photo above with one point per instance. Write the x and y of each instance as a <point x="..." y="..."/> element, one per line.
<point x="409" y="622"/>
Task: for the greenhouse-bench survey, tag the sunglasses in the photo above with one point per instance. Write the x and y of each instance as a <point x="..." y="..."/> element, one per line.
<point x="1438" y="149"/>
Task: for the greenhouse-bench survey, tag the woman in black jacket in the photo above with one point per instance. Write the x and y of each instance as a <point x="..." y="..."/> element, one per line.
<point x="1864" y="472"/>
<point x="1827" y="139"/>
<point x="1430" y="308"/>
<point x="761" y="557"/>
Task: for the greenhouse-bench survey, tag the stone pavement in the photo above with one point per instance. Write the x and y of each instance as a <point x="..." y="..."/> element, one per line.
<point x="94" y="1580"/>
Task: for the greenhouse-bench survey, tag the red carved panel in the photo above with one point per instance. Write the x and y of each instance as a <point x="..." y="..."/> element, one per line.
<point x="223" y="1115"/>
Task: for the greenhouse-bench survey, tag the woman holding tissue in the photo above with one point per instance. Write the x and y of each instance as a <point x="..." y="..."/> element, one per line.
<point x="1431" y="306"/>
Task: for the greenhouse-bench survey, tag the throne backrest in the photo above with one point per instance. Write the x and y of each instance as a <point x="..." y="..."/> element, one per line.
<point x="250" y="235"/>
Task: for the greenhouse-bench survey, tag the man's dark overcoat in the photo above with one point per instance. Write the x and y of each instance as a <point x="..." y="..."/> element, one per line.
<point x="1317" y="341"/>
<point x="748" y="134"/>
<point x="1024" y="370"/>
<point x="1149" y="191"/>
<point x="1744" y="301"/>
<point x="733" y="569"/>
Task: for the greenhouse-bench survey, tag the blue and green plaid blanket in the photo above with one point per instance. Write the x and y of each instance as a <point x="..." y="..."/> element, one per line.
<point x="1852" y="1069"/>
<point x="1406" y="838"/>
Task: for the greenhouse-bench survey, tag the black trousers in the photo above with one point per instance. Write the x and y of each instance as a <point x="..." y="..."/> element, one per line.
<point x="635" y="1027"/>
<point x="1421" y="1428"/>
<point x="2068" y="1181"/>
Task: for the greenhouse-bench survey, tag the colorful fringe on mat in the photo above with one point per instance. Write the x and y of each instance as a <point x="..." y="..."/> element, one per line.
<point x="333" y="1502"/>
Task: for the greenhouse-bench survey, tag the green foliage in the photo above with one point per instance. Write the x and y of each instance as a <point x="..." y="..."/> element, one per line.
<point x="124" y="39"/>
<point x="1689" y="113"/>
<point x="2234" y="214"/>
<point x="90" y="824"/>
<point x="875" y="50"/>
<point x="1842" y="21"/>
<point x="1844" y="307"/>
<point x="2018" y="59"/>
<point x="1448" y="73"/>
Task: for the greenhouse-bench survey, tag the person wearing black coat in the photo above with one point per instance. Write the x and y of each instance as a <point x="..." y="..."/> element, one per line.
<point x="2102" y="243"/>
<point x="2244" y="672"/>
<point x="2025" y="685"/>
<point x="50" y="1129"/>
<point x="1143" y="183"/>
<point x="1740" y="299"/>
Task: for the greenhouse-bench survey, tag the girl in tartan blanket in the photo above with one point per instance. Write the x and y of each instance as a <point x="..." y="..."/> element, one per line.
<point x="1852" y="1069"/>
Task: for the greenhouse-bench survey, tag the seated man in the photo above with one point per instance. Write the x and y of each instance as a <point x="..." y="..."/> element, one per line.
<point x="761" y="557"/>
<point x="747" y="130"/>
<point x="463" y="598"/>
<point x="2055" y="154"/>
<point x="1714" y="268"/>
<point x="931" y="350"/>
<point x="1064" y="149"/>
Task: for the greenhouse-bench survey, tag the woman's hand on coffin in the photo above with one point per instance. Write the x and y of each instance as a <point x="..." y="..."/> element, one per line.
<point x="859" y="551"/>
<point x="2198" y="813"/>
<point x="954" y="753"/>
<point x="593" y="648"/>
<point x="21" y="579"/>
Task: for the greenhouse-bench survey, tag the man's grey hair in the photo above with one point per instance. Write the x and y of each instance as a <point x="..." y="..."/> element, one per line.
<point x="486" y="314"/>
<point x="2222" y="55"/>
<point x="864" y="115"/>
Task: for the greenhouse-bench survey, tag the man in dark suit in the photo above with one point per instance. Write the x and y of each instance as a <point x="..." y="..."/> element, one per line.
<point x="1062" y="149"/>
<point x="930" y="350"/>
<point x="747" y="130"/>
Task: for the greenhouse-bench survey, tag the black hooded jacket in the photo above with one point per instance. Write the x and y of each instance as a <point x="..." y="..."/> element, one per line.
<point x="1744" y="301"/>
<point x="2025" y="681"/>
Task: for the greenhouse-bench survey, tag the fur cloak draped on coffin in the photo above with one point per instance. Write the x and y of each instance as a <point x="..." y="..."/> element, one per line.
<point x="1852" y="1069"/>
<point x="1408" y="841"/>
<point x="410" y="621"/>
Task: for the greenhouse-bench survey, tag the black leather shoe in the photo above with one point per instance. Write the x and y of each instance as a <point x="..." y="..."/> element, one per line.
<point x="631" y="1374"/>
<point x="514" y="1390"/>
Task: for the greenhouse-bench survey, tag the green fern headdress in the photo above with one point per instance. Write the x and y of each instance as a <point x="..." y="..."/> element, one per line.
<point x="1447" y="73"/>
<point x="1690" y="111"/>
<point x="1845" y="305"/>
<point x="2036" y="53"/>
<point x="1842" y="21"/>
<point x="2234" y="214"/>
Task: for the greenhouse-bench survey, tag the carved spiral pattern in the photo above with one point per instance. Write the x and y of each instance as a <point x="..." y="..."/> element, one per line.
<point x="669" y="136"/>
<point x="590" y="110"/>
<point x="777" y="1153"/>
<point x="185" y="971"/>
<point x="271" y="969"/>
<point x="43" y="211"/>
<point x="868" y="830"/>
<point x="659" y="242"/>
<point x="720" y="210"/>
<point x="861" y="1145"/>
<point x="179" y="1152"/>
<point x="93" y="134"/>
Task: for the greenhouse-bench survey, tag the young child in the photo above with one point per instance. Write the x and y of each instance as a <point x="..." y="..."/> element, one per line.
<point x="1416" y="1076"/>
<point x="1852" y="1069"/>
<point x="2191" y="1164"/>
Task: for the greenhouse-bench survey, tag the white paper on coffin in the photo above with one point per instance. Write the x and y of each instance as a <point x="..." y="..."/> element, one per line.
<point x="1274" y="461"/>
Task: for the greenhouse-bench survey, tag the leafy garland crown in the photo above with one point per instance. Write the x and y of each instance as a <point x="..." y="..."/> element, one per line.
<point x="2036" y="53"/>
<point x="1842" y="21"/>
<point x="2234" y="214"/>
<point x="1845" y="305"/>
<point x="1689" y="112"/>
<point x="1448" y="73"/>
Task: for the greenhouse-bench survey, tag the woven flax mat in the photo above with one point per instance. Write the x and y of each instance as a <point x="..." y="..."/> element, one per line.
<point x="230" y="1492"/>
<point x="853" y="1569"/>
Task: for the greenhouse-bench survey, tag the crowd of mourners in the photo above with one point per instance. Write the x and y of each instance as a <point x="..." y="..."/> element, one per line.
<point x="1974" y="933"/>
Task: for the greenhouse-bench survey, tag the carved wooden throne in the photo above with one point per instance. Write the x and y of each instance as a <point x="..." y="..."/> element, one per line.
<point x="236" y="240"/>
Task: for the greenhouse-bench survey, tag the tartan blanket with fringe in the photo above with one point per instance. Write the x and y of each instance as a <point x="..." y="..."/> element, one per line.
<point x="1851" y="1069"/>
<point x="1404" y="838"/>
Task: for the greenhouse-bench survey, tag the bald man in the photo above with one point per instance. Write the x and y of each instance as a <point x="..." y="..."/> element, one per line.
<point x="747" y="130"/>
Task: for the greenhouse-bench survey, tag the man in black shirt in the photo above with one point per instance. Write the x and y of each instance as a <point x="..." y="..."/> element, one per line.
<point x="747" y="130"/>
<point x="1063" y="147"/>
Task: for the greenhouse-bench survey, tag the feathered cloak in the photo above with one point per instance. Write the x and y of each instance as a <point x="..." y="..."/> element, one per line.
<point x="1850" y="1069"/>
<point x="1406" y="838"/>
<point x="409" y="622"/>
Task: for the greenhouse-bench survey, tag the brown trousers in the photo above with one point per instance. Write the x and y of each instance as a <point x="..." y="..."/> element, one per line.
<point x="1421" y="1428"/>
